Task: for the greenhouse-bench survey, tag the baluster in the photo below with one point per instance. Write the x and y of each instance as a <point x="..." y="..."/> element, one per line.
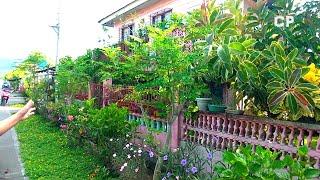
<point x="275" y="134"/>
<point x="199" y="140"/>
<point x="309" y="138"/>
<point x="218" y="124"/>
<point x="224" y="125"/>
<point x="235" y="127"/>
<point x="214" y="141"/>
<point x="247" y="130"/>
<point x="209" y="122"/>
<point x="230" y="126"/>
<point x="223" y="144"/>
<point x="261" y="131"/>
<point x="204" y="122"/>
<point x="208" y="139"/>
<point x="199" y="121"/>
<point x="214" y="123"/>
<point x="283" y="135"/>
<point x="300" y="137"/>
<point x="254" y="130"/>
<point x="241" y="128"/>
<point x="291" y="136"/>
<point x="269" y="132"/>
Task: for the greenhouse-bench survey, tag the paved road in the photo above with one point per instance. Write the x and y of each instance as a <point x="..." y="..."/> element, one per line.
<point x="10" y="162"/>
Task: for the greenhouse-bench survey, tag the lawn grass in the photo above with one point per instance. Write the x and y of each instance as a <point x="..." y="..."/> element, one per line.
<point x="45" y="153"/>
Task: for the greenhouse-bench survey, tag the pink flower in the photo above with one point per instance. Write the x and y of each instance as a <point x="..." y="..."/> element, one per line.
<point x="70" y="118"/>
<point x="63" y="126"/>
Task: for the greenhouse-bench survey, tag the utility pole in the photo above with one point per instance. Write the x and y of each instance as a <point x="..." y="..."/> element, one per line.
<point x="56" y="28"/>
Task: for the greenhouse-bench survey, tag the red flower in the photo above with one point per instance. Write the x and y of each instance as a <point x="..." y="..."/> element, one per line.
<point x="70" y="118"/>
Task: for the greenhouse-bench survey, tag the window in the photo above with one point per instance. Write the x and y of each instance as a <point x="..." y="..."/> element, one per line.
<point x="126" y="31"/>
<point x="161" y="16"/>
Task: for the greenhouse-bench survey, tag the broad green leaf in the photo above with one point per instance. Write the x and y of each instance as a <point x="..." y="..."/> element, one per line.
<point x="225" y="25"/>
<point x="303" y="151"/>
<point x="312" y="173"/>
<point x="295" y="77"/>
<point x="280" y="61"/>
<point x="307" y="87"/>
<point x="275" y="85"/>
<point x="277" y="98"/>
<point x="242" y="73"/>
<point x="223" y="53"/>
<point x="292" y="103"/>
<point x="237" y="47"/>
<point x="241" y="169"/>
<point x="213" y="16"/>
<point x="277" y="73"/>
<point x="300" y="62"/>
<point x="278" y="49"/>
<point x="230" y="32"/>
<point x="251" y="68"/>
<point x="248" y="43"/>
<point x="282" y="174"/>
<point x="229" y="157"/>
<point x="252" y="24"/>
<point x="293" y="54"/>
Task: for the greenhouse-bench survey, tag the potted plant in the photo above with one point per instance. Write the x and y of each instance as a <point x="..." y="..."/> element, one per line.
<point x="217" y="105"/>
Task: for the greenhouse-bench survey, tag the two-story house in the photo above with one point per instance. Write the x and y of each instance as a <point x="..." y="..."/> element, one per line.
<point x="126" y="20"/>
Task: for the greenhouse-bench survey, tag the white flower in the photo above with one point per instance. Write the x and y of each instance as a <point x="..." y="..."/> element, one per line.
<point x="121" y="169"/>
<point x="139" y="151"/>
<point x="136" y="170"/>
<point x="131" y="149"/>
<point x="111" y="139"/>
<point x="114" y="155"/>
<point x="130" y="144"/>
<point x="125" y="164"/>
<point x="117" y="139"/>
<point x="129" y="156"/>
<point x="174" y="150"/>
<point x="177" y="177"/>
<point x="145" y="146"/>
<point x="127" y="146"/>
<point x="134" y="155"/>
<point x="127" y="135"/>
<point x="134" y="151"/>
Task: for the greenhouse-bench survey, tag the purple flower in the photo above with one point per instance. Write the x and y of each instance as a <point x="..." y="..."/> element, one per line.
<point x="169" y="174"/>
<point x="210" y="156"/>
<point x="165" y="158"/>
<point x="151" y="154"/>
<point x="164" y="178"/>
<point x="194" y="170"/>
<point x="183" y="162"/>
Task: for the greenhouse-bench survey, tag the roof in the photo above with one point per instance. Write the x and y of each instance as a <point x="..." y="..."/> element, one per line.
<point x="124" y="11"/>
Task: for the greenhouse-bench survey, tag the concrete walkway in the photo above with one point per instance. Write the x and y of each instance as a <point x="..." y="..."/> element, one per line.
<point x="10" y="162"/>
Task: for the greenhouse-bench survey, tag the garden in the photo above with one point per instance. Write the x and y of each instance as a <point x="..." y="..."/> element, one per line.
<point x="213" y="94"/>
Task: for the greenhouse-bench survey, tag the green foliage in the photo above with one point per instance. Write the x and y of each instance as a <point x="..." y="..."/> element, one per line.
<point x="302" y="34"/>
<point x="288" y="92"/>
<point x="264" y="164"/>
<point x="45" y="153"/>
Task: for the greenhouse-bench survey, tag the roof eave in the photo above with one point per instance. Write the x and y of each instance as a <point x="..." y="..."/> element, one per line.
<point x="111" y="18"/>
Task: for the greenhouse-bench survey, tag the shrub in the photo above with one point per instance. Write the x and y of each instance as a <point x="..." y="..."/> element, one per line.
<point x="264" y="164"/>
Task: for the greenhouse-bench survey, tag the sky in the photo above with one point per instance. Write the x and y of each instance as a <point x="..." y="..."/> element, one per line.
<point x="25" y="27"/>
